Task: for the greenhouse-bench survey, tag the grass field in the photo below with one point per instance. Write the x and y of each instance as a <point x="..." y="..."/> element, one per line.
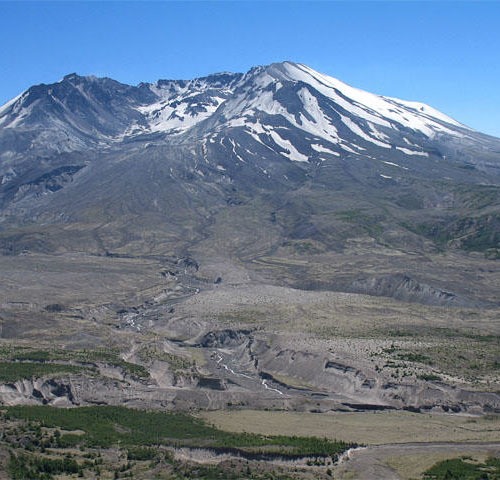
<point x="368" y="428"/>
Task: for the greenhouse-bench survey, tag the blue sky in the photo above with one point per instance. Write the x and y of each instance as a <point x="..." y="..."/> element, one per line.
<point x="446" y="53"/>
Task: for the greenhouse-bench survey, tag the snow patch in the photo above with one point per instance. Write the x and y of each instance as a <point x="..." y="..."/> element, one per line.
<point x="178" y="115"/>
<point x="357" y="131"/>
<point x="412" y="152"/>
<point x="321" y="125"/>
<point x="290" y="151"/>
<point x="321" y="149"/>
<point x="390" y="163"/>
<point x="347" y="148"/>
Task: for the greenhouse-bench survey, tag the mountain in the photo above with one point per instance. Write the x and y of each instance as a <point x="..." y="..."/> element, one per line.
<point x="281" y="160"/>
<point x="275" y="239"/>
<point x="88" y="111"/>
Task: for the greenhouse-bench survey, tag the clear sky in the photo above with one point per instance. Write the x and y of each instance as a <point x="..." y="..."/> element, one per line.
<point x="446" y="54"/>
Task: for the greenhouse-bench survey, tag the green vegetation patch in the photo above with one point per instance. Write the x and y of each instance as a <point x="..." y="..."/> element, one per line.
<point x="367" y="221"/>
<point x="216" y="472"/>
<point x="471" y="233"/>
<point x="457" y="352"/>
<point x="110" y="356"/>
<point x="461" y="469"/>
<point x="105" y="426"/>
<point x="14" y="371"/>
<point x="429" y="377"/>
<point x="22" y="467"/>
<point x="141" y="453"/>
<point x="414" y="357"/>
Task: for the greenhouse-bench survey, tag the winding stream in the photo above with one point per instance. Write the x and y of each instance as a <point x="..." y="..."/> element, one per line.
<point x="219" y="359"/>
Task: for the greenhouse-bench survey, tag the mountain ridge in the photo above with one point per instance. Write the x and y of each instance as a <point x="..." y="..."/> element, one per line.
<point x="275" y="70"/>
<point x="85" y="111"/>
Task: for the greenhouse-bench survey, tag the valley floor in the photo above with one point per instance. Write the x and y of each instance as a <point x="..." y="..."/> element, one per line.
<point x="415" y="384"/>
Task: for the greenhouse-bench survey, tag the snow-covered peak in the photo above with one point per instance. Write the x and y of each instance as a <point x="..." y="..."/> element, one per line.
<point x="285" y="106"/>
<point x="270" y="102"/>
<point x="376" y="108"/>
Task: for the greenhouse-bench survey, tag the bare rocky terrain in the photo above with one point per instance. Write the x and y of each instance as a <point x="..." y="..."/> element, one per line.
<point x="214" y="345"/>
